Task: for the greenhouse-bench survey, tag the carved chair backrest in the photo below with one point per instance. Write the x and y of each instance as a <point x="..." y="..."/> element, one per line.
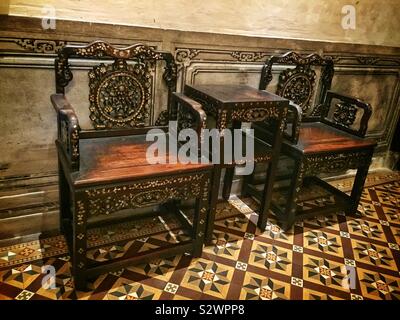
<point x="120" y="93"/>
<point x="346" y="113"/>
<point x="299" y="84"/>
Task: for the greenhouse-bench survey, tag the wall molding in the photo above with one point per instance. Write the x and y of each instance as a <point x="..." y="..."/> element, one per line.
<point x="41" y="46"/>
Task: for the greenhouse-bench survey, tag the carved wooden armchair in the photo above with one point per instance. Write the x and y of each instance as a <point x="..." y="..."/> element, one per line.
<point x="104" y="170"/>
<point x="324" y="137"/>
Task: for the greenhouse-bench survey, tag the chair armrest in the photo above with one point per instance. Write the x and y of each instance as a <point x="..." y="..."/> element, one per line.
<point x="190" y="113"/>
<point x="68" y="129"/>
<point x="297" y="112"/>
<point x="264" y="130"/>
<point x="345" y="111"/>
<point x="60" y="102"/>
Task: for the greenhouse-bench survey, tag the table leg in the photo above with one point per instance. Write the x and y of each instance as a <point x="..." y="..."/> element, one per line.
<point x="199" y="226"/>
<point x="271" y="171"/>
<point x="230" y="171"/>
<point x="267" y="195"/>
<point x="246" y="181"/>
<point x="213" y="203"/>
<point x="295" y="186"/>
<point x="228" y="179"/>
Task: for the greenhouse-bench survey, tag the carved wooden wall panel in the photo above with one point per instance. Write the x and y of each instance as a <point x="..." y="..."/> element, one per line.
<point x="26" y="123"/>
<point x="380" y="87"/>
<point x="223" y="73"/>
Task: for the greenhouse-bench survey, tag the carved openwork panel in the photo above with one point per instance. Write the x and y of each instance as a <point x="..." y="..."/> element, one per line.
<point x="297" y="85"/>
<point x="185" y="119"/>
<point x="143" y="56"/>
<point x="345" y="113"/>
<point x="333" y="163"/>
<point x="301" y="80"/>
<point x="111" y="199"/>
<point x="210" y="108"/>
<point x="162" y="119"/>
<point x="101" y="48"/>
<point x="120" y="94"/>
<point x="255" y="114"/>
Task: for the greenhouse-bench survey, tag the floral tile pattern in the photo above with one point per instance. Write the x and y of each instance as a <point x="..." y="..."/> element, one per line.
<point x="324" y="258"/>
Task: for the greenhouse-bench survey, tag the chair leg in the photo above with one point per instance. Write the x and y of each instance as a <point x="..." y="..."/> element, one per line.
<point x="267" y="195"/>
<point x="246" y="181"/>
<point x="357" y="189"/>
<point x="199" y="225"/>
<point x="295" y="185"/>
<point x="64" y="199"/>
<point x="79" y="263"/>
<point x="229" y="172"/>
<point x="228" y="179"/>
<point x="213" y="204"/>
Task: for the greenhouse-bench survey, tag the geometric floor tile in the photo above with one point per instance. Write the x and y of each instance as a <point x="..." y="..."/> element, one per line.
<point x="366" y="229"/>
<point x="325" y="272"/>
<point x="271" y="257"/>
<point x="354" y="257"/>
<point x="208" y="277"/>
<point x="7" y="255"/>
<point x="238" y="223"/>
<point x="329" y="222"/>
<point x="324" y="242"/>
<point x="368" y="210"/>
<point x="225" y="245"/>
<point x="240" y="205"/>
<point x="396" y="233"/>
<point x="21" y="276"/>
<point x="157" y="268"/>
<point x="392" y="214"/>
<point x="64" y="288"/>
<point x="309" y="294"/>
<point x="24" y="295"/>
<point x="130" y="291"/>
<point x="388" y="198"/>
<point x="373" y="254"/>
<point x="171" y="288"/>
<point x="379" y="286"/>
<point x="274" y="232"/>
<point x="256" y="287"/>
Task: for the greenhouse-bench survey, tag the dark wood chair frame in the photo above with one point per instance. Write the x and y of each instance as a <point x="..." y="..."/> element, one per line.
<point x="79" y="201"/>
<point x="309" y="164"/>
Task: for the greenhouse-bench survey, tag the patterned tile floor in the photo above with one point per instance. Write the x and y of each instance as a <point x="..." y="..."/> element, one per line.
<point x="333" y="257"/>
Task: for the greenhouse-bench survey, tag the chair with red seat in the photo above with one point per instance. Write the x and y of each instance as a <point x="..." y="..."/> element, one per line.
<point x="106" y="170"/>
<point x="324" y="137"/>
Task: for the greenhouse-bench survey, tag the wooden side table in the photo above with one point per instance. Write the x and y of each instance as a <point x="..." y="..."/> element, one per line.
<point x="231" y="105"/>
